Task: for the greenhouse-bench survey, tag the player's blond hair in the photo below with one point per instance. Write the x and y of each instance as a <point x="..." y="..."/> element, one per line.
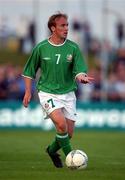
<point x="54" y="17"/>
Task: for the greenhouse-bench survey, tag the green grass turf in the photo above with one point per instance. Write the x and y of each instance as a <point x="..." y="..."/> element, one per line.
<point x="23" y="157"/>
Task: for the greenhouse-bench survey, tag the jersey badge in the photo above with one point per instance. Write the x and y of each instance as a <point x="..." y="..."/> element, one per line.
<point x="69" y="57"/>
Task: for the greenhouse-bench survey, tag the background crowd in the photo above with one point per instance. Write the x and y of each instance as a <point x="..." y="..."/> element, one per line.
<point x="109" y="72"/>
<point x="105" y="59"/>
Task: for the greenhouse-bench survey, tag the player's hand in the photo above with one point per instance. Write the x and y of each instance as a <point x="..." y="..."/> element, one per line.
<point x="84" y="79"/>
<point x="27" y="98"/>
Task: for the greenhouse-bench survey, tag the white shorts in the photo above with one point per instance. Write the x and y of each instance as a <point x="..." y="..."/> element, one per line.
<point x="67" y="102"/>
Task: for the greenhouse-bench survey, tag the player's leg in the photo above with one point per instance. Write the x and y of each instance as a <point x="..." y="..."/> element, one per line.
<point x="61" y="139"/>
<point x="62" y="136"/>
<point x="54" y="146"/>
<point x="70" y="127"/>
<point x="53" y="107"/>
<point x="69" y="112"/>
<point x="64" y="120"/>
<point x="49" y="104"/>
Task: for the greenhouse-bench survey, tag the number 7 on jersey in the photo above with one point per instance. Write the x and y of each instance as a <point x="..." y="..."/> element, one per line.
<point x="58" y="58"/>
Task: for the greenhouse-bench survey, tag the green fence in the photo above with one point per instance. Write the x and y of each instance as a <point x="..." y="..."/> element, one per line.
<point x="90" y="115"/>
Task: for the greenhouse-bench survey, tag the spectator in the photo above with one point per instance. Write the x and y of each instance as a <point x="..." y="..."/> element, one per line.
<point x="12" y="84"/>
<point x="96" y="92"/>
<point x="120" y="33"/>
<point x="3" y="84"/>
<point x="115" y="85"/>
<point x="32" y="33"/>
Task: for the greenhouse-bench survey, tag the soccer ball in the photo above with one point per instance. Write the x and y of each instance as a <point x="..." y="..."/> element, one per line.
<point x="76" y="159"/>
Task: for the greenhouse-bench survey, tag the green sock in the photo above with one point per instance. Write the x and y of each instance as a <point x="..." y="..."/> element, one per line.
<point x="54" y="146"/>
<point x="64" y="142"/>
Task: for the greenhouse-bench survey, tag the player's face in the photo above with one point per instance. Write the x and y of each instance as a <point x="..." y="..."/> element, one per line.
<point x="61" y="28"/>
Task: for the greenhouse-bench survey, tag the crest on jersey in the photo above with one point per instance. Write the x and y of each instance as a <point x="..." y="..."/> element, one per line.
<point x="69" y="57"/>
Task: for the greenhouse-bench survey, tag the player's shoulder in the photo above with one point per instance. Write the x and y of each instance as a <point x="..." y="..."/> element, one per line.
<point x="72" y="44"/>
<point x="42" y="43"/>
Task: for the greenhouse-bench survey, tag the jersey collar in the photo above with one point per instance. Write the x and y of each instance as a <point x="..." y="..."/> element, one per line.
<point x="57" y="44"/>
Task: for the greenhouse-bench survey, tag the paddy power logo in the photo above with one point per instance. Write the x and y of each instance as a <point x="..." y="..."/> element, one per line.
<point x="88" y="118"/>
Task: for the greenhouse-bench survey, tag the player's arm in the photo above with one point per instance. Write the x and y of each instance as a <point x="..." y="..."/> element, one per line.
<point x="28" y="94"/>
<point x="80" y="68"/>
<point x="29" y="73"/>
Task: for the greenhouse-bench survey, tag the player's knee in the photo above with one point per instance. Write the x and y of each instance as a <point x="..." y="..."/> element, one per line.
<point x="62" y="127"/>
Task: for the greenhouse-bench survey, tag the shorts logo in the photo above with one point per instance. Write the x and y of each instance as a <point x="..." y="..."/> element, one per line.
<point x="69" y="57"/>
<point x="46" y="105"/>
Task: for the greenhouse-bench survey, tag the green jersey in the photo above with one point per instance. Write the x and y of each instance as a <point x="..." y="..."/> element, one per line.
<point x="59" y="65"/>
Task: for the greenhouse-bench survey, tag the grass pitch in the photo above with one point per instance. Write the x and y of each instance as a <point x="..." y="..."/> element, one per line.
<point x="23" y="157"/>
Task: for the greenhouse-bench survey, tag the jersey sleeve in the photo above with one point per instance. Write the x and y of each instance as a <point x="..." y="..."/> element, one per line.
<point x="32" y="64"/>
<point x="79" y="65"/>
